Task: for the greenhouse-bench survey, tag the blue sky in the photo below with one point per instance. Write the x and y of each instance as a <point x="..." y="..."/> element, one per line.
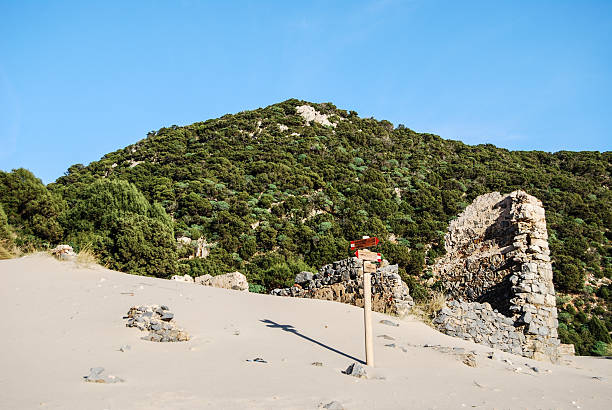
<point x="79" y="79"/>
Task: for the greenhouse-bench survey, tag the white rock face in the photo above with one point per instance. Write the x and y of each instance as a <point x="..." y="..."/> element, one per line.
<point x="185" y="278"/>
<point x="183" y="240"/>
<point x="310" y="114"/>
<point x="234" y="281"/>
<point x="63" y="252"/>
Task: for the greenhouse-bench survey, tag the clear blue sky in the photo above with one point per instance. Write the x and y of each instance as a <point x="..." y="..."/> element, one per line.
<point x="79" y="79"/>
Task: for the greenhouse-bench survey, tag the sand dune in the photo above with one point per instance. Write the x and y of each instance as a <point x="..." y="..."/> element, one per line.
<point x="60" y="320"/>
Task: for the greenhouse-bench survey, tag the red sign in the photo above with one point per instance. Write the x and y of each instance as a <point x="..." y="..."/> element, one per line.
<point x="367" y="255"/>
<point x="364" y="243"/>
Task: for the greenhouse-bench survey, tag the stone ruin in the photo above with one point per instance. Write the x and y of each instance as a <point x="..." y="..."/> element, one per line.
<point x="342" y="281"/>
<point x="158" y="321"/>
<point x="497" y="270"/>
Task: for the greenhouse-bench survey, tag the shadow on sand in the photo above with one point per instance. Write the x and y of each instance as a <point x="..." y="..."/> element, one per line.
<point x="291" y="329"/>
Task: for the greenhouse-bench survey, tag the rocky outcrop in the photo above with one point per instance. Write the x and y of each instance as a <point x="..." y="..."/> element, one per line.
<point x="182" y="278"/>
<point x="497" y="253"/>
<point x="342" y="281"/>
<point x="234" y="281"/>
<point x="64" y="253"/>
<point x="201" y="248"/>
<point x="309" y="114"/>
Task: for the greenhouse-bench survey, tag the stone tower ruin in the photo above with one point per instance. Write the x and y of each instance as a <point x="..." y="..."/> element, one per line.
<point x="497" y="270"/>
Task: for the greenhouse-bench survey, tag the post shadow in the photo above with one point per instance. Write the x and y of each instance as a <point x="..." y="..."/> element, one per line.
<point x="291" y="329"/>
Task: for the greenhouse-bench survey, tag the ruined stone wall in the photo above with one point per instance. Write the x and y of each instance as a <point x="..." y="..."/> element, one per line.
<point x="478" y="322"/>
<point x="342" y="281"/>
<point x="497" y="253"/>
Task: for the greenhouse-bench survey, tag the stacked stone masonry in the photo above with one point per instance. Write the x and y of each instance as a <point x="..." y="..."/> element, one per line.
<point x="498" y="256"/>
<point x="342" y="281"/>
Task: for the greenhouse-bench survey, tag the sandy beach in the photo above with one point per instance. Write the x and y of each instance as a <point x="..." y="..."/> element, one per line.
<point x="59" y="320"/>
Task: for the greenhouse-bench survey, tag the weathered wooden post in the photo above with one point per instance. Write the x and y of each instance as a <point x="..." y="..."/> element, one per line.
<point x="369" y="267"/>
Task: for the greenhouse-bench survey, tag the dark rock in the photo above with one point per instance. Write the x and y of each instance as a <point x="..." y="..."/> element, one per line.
<point x="334" y="405"/>
<point x="257" y="360"/>
<point x="356" y="370"/>
<point x="167" y="316"/>
<point x="303" y="277"/>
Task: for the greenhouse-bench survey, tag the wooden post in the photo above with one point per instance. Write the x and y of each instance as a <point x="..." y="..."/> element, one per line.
<point x="368" y="267"/>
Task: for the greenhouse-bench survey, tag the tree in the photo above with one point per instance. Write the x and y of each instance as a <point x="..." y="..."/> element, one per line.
<point x="126" y="231"/>
<point x="30" y="207"/>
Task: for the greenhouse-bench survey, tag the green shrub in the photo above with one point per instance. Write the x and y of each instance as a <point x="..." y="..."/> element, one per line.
<point x="5" y="229"/>
<point x="30" y="208"/>
<point x="122" y="227"/>
<point x="601" y="349"/>
<point x="598" y="329"/>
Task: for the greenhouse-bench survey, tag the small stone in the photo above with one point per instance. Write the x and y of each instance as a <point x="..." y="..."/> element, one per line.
<point x="153" y="337"/>
<point x="334" y="405"/>
<point x="386" y="337"/>
<point x="95" y="376"/>
<point x="318" y="364"/>
<point x="388" y="323"/>
<point x="167" y="316"/>
<point x="470" y="360"/>
<point x="356" y="370"/>
<point x="257" y="360"/>
<point x="125" y="348"/>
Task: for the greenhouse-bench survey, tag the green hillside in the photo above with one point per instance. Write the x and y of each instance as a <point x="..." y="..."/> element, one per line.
<point x="274" y="195"/>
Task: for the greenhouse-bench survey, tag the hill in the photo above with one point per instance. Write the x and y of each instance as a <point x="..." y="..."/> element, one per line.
<point x="277" y="190"/>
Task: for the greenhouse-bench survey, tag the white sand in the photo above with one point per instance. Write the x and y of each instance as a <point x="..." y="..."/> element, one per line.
<point x="59" y="320"/>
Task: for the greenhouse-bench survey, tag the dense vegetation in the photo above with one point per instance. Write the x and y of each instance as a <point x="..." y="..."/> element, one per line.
<point x="272" y="195"/>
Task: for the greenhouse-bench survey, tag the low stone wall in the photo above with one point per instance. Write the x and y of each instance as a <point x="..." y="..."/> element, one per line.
<point x="342" y="281"/>
<point x="478" y="322"/>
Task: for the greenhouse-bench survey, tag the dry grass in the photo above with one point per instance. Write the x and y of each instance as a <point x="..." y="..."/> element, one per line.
<point x="425" y="311"/>
<point x="5" y="253"/>
<point x="86" y="258"/>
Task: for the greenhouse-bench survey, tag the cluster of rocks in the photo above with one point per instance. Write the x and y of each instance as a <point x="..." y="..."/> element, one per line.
<point x="497" y="252"/>
<point x="64" y="252"/>
<point x="234" y="281"/>
<point x="478" y="322"/>
<point x="158" y="321"/>
<point x="342" y="281"/>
